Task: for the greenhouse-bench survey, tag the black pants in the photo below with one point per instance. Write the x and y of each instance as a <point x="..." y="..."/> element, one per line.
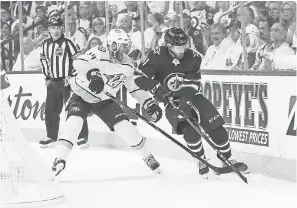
<point x="57" y="96"/>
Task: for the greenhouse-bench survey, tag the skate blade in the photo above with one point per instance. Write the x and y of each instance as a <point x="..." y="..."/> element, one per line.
<point x="157" y="171"/>
<point x="204" y="176"/>
<point x="45" y="146"/>
<point x="84" y="146"/>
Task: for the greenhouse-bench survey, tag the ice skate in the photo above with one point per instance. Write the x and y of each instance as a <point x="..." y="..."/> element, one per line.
<point x="152" y="163"/>
<point x="83" y="143"/>
<point x="46" y="142"/>
<point x="203" y="169"/>
<point x="58" y="166"/>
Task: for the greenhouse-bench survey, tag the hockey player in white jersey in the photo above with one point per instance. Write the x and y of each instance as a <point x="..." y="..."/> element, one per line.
<point x="100" y="70"/>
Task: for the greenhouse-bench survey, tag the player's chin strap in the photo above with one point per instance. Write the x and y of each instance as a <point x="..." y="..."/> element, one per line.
<point x="217" y="170"/>
<point x="196" y="126"/>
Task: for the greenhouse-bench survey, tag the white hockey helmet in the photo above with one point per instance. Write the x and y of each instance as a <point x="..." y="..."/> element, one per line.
<point x="117" y="37"/>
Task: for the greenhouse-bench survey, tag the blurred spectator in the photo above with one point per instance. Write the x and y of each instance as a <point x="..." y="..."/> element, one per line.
<point x="131" y="6"/>
<point x="176" y="7"/>
<point x="100" y="12"/>
<point x="215" y="54"/>
<point x="221" y="7"/>
<point x="94" y="41"/>
<point x="248" y="19"/>
<point x="7" y="50"/>
<point x="36" y="4"/>
<point x="234" y="52"/>
<point x="40" y="32"/>
<point x="31" y="63"/>
<point x="196" y="35"/>
<point x="202" y="13"/>
<point x="157" y="6"/>
<point x="27" y="6"/>
<point x="264" y="31"/>
<point x="260" y="11"/>
<point x="294" y="46"/>
<point x="100" y="5"/>
<point x="172" y="20"/>
<point x="136" y="24"/>
<point x="98" y="30"/>
<point x="124" y="22"/>
<point x="281" y="55"/>
<point x="75" y="34"/>
<point x="27" y="21"/>
<point x="262" y="63"/>
<point x="150" y="38"/>
<point x="84" y="20"/>
<point x="41" y="11"/>
<point x="274" y="8"/>
<point x="288" y="18"/>
<point x="160" y="19"/>
<point x="53" y="7"/>
<point x="253" y="42"/>
<point x="263" y="15"/>
<point x="5" y="17"/>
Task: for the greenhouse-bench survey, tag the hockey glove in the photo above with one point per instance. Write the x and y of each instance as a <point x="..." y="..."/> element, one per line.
<point x="96" y="84"/>
<point x="152" y="109"/>
<point x="182" y="109"/>
<point x="160" y="92"/>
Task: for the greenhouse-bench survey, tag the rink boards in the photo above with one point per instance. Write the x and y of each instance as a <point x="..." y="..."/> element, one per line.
<point x="259" y="111"/>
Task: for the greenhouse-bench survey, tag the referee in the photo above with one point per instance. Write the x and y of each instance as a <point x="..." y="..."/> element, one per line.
<point x="56" y="60"/>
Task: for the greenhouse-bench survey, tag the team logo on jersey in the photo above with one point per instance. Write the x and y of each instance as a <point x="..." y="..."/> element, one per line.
<point x="115" y="80"/>
<point x="175" y="62"/>
<point x="59" y="51"/>
<point x="174" y="81"/>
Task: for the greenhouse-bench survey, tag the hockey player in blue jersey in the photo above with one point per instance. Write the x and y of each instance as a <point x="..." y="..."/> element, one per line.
<point x="173" y="71"/>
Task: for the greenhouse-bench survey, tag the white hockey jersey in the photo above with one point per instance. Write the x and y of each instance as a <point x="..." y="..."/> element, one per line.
<point x="98" y="60"/>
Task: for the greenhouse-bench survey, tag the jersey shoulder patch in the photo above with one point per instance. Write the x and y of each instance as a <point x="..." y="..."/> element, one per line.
<point x="101" y="48"/>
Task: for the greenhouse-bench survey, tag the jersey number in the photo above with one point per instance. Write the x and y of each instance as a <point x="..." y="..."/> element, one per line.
<point x="92" y="55"/>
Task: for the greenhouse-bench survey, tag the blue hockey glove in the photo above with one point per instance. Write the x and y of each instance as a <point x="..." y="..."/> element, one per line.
<point x="96" y="84"/>
<point x="152" y="109"/>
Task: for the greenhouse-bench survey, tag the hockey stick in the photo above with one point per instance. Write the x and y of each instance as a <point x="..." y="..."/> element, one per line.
<point x="196" y="126"/>
<point x="218" y="170"/>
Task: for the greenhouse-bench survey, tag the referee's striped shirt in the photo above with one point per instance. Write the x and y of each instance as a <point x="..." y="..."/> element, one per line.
<point x="57" y="57"/>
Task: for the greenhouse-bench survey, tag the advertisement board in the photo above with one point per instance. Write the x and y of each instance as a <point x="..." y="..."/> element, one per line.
<point x="259" y="111"/>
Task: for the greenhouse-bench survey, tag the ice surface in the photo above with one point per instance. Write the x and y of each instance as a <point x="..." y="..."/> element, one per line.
<point x="105" y="178"/>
